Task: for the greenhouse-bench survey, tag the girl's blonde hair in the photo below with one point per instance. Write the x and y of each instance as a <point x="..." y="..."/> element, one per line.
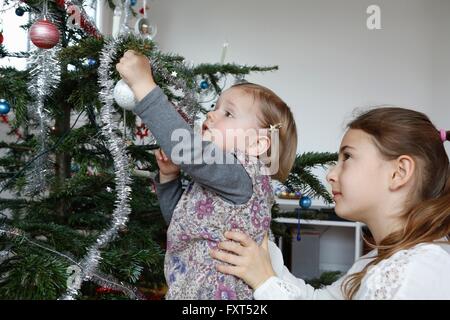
<point x="395" y="132"/>
<point x="275" y="111"/>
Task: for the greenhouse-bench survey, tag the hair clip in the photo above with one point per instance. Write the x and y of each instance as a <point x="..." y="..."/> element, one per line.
<point x="274" y="127"/>
<point x="443" y="135"/>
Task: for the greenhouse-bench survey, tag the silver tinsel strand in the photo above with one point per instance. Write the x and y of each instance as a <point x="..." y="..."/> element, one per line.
<point x="45" y="76"/>
<point x="117" y="147"/>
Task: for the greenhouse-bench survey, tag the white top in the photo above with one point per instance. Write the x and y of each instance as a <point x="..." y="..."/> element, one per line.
<point x="422" y="272"/>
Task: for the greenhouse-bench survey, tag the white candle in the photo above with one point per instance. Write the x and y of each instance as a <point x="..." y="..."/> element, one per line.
<point x="145" y="8"/>
<point x="224" y="52"/>
<point x="116" y="21"/>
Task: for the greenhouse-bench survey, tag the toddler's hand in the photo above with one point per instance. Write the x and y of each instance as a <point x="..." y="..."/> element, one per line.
<point x="168" y="171"/>
<point x="136" y="71"/>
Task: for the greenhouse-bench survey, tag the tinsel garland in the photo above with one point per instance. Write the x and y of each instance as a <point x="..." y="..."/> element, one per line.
<point x="45" y="76"/>
<point x="117" y="147"/>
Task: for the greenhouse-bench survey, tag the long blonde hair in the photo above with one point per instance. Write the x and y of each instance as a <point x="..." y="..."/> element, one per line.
<point x="275" y="111"/>
<point x="395" y="132"/>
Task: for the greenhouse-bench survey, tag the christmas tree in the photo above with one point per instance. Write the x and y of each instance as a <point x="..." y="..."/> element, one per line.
<point x="79" y="217"/>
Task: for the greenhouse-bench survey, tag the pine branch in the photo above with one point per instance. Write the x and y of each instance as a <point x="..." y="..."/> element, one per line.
<point x="301" y="177"/>
<point x="234" y="69"/>
<point x="314" y="159"/>
<point x="32" y="276"/>
<point x="14" y="146"/>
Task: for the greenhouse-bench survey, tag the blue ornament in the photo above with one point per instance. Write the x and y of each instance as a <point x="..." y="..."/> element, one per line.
<point x="20" y="11"/>
<point x="133" y="2"/>
<point x="4" y="106"/>
<point x="91" y="62"/>
<point x="74" y="168"/>
<point x="204" y="84"/>
<point x="305" y="202"/>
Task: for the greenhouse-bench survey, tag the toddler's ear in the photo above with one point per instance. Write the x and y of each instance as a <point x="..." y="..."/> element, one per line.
<point x="260" y="147"/>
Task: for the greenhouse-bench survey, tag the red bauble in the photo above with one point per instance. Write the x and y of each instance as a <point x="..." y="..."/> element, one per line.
<point x="44" y="34"/>
<point x="1" y="38"/>
<point x="60" y="3"/>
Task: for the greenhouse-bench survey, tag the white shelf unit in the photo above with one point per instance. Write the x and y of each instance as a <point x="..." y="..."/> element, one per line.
<point x="328" y="244"/>
<point x="345" y="224"/>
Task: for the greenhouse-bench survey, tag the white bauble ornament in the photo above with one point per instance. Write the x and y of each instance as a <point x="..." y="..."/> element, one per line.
<point x="124" y="96"/>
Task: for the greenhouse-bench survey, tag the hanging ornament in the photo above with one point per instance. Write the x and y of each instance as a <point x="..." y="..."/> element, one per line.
<point x="74" y="167"/>
<point x="71" y="67"/>
<point x="305" y="202"/>
<point x="142" y="131"/>
<point x="4" y="107"/>
<point x="124" y="96"/>
<point x="20" y="11"/>
<point x="60" y="3"/>
<point x="89" y="62"/>
<point x="145" y="29"/>
<point x="1" y="38"/>
<point x="44" y="34"/>
<point x="204" y="84"/>
<point x="133" y="2"/>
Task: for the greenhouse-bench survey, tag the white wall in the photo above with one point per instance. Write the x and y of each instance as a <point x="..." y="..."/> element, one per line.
<point x="441" y="66"/>
<point x="15" y="38"/>
<point x="330" y="63"/>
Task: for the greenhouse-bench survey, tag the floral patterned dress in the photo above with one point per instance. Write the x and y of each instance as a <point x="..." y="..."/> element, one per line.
<point x="198" y="224"/>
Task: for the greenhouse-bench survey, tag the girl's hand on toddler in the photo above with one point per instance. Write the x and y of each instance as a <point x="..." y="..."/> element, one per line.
<point x="249" y="261"/>
<point x="168" y="171"/>
<point x="135" y="70"/>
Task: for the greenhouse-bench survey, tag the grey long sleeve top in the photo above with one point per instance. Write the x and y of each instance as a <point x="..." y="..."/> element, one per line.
<point x="229" y="180"/>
